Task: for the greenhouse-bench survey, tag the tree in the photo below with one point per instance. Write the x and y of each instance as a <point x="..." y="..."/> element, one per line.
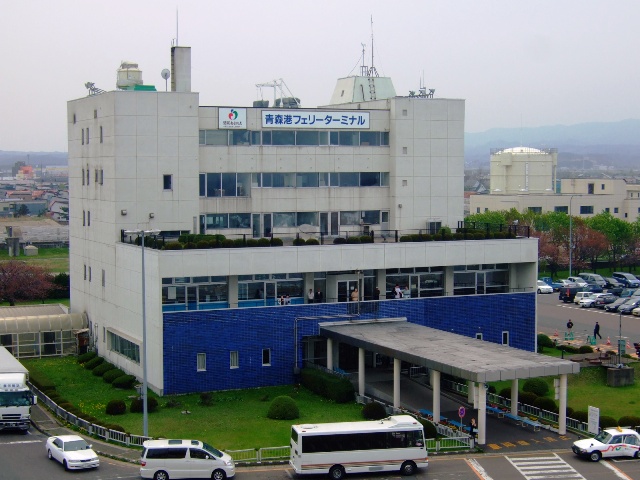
<point x="22" y="211"/>
<point x="550" y="255"/>
<point x="618" y="232"/>
<point x="21" y="281"/>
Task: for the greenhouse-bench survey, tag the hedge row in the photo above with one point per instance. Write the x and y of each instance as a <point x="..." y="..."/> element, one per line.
<point x="335" y="388"/>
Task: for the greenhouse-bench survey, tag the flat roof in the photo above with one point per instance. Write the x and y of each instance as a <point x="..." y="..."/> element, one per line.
<point x="457" y="355"/>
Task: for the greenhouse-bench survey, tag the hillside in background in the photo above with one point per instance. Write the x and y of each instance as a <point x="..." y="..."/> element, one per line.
<point x="613" y="144"/>
<point x="586" y="145"/>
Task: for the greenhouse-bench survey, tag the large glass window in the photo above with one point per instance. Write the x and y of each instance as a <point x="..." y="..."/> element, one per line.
<point x="213" y="185"/>
<point x="350" y="218"/>
<point x="240" y="137"/>
<point x="371" y="217"/>
<point x="228" y="184"/>
<point x="351" y="139"/>
<point x="304" y="137"/>
<point x="349" y="179"/>
<point x="256" y="138"/>
<point x="284" y="219"/>
<point x="369" y="179"/>
<point x="369" y="139"/>
<point x="202" y="184"/>
<point x="239" y="220"/>
<point x="287" y="180"/>
<point x="123" y="346"/>
<point x="242" y="184"/>
<point x="306" y="180"/>
<point x="217" y="220"/>
<point x="216" y="137"/>
<point x="283" y="137"/>
<point x="307" y="218"/>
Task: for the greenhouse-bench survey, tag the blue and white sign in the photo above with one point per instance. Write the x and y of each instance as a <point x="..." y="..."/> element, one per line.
<point x="315" y="119"/>
<point x="230" y="117"/>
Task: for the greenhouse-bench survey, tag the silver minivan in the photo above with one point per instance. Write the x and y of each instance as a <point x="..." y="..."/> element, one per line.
<point x="593" y="278"/>
<point x="173" y="459"/>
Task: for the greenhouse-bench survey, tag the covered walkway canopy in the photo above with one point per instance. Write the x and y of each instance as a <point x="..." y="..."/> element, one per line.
<point x="443" y="352"/>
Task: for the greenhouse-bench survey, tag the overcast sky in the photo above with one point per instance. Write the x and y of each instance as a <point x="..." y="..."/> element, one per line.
<point x="516" y="63"/>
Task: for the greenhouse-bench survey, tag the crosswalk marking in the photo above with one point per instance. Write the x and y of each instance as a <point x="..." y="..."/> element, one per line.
<point x="541" y="467"/>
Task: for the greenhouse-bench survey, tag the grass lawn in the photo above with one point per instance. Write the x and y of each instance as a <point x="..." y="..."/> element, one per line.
<point x="236" y="419"/>
<point x="56" y="260"/>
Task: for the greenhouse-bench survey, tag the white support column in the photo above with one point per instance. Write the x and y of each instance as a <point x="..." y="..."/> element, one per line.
<point x="435" y="386"/>
<point x="514" y="396"/>
<point x="233" y="291"/>
<point x="471" y="386"/>
<point x="482" y="414"/>
<point x="396" y="382"/>
<point x="329" y="354"/>
<point x="361" y="369"/>
<point x="562" y="417"/>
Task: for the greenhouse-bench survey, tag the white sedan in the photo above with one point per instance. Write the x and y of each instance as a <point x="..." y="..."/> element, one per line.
<point x="72" y="451"/>
<point x="612" y="442"/>
<point x="590" y="301"/>
<point x="544" y="287"/>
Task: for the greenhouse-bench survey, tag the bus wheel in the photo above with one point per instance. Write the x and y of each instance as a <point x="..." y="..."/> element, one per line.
<point x="408" y="468"/>
<point x="336" y="472"/>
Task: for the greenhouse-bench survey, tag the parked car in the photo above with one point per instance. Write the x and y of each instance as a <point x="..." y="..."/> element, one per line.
<point x="554" y="284"/>
<point x="628" y="307"/>
<point x="566" y="283"/>
<point x="580" y="295"/>
<point x="543" y="287"/>
<point x="593" y="288"/>
<point x="611" y="282"/>
<point x="593" y="278"/>
<point x="613" y="307"/>
<point x="628" y="292"/>
<point x="611" y="442"/>
<point x="578" y="281"/>
<point x="604" y="300"/>
<point x="590" y="301"/>
<point x="627" y="279"/>
<point x="636" y="312"/>
<point x="72" y="451"/>
<point x="568" y="294"/>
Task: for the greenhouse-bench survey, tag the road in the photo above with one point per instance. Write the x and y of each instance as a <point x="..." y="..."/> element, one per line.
<point x="553" y="315"/>
<point x="23" y="458"/>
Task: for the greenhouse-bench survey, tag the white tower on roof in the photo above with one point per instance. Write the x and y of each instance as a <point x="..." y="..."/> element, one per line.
<point x="523" y="170"/>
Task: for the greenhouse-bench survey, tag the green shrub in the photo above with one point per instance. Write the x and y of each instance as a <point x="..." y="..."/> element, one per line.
<point x="545" y="341"/>
<point x="93" y="363"/>
<point x="88" y="418"/>
<point x="204" y="244"/>
<point x="581" y="416"/>
<point x="374" y="411"/>
<point x="339" y="241"/>
<point x="569" y="411"/>
<point x="527" y="398"/>
<point x="137" y="405"/>
<point x="499" y="235"/>
<point x="607" y="421"/>
<point x="173" y="403"/>
<point x="568" y="348"/>
<point x="252" y="242"/>
<point x="505" y="392"/>
<point x="546" y="403"/>
<point x="116" y="407"/>
<point x="335" y="388"/>
<point x="206" y="399"/>
<point x="42" y="382"/>
<point x="629" y="421"/>
<point x="353" y="240"/>
<point x="585" y="349"/>
<point x="299" y="241"/>
<point x="491" y="389"/>
<point x="366" y="239"/>
<point x="312" y="241"/>
<point x="173" y="246"/>
<point x="430" y="430"/>
<point x="191" y="246"/>
<point x="103" y="368"/>
<point x="283" y="408"/>
<point x="115" y="427"/>
<point x="275" y="242"/>
<point x="124" y="381"/>
<point x="110" y="375"/>
<point x="537" y="386"/>
<point x="405" y="238"/>
<point x="85" y="357"/>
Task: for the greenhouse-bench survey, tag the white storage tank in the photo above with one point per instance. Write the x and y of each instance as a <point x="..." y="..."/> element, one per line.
<point x="129" y="75"/>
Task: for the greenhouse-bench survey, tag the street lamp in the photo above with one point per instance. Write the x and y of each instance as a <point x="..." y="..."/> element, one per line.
<point x="145" y="411"/>
<point x="619" y="338"/>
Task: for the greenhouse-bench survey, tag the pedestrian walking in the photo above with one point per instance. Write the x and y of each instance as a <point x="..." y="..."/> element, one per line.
<point x="596" y="331"/>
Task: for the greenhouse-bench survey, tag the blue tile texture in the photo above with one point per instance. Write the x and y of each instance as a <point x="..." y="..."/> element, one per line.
<point x="281" y="328"/>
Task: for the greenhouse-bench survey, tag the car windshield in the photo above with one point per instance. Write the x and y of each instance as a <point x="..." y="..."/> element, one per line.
<point x="603" y="437"/>
<point x="212" y="450"/>
<point x="75" y="445"/>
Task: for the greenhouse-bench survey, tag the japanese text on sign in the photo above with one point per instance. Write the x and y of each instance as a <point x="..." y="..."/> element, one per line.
<point x="326" y="120"/>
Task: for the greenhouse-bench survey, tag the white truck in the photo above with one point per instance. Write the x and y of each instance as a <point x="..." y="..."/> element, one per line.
<point x="15" y="396"/>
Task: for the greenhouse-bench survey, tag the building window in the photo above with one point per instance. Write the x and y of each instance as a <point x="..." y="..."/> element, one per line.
<point x="123" y="346"/>
<point x="83" y="176"/>
<point x="505" y="338"/>
<point x="88" y="174"/>
<point x="82" y="135"/>
<point x="434" y="227"/>
<point x="95" y="180"/>
<point x="101" y="136"/>
<point x="405" y="150"/>
<point x="89" y="273"/>
<point x="85" y="272"/>
<point x="233" y="359"/>
<point x="95" y="114"/>
<point x="561" y="209"/>
<point x="602" y="186"/>
<point x="607" y="209"/>
<point x="586" y="209"/>
<point x="167" y="182"/>
<point x="615" y="209"/>
<point x="590" y="188"/>
<point x="87" y="136"/>
<point x="104" y="278"/>
<point x="625" y="215"/>
<point x="74" y="118"/>
<point x="486" y="210"/>
<point x="478" y="336"/>
<point x="535" y="209"/>
<point x="201" y="362"/>
<point x="101" y="176"/>
<point x="266" y="357"/>
<point x="84" y="218"/>
<point x="88" y="218"/>
<point x="404" y="112"/>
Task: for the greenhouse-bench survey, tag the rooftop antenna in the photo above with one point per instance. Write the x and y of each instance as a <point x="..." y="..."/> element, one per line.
<point x="372" y="66"/>
<point x="177" y="27"/>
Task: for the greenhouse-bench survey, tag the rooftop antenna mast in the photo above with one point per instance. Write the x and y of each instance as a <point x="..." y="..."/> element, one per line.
<point x="366" y="71"/>
<point x="177" y="43"/>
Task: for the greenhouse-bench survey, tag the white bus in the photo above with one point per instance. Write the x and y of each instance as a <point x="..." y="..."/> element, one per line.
<point x="395" y="443"/>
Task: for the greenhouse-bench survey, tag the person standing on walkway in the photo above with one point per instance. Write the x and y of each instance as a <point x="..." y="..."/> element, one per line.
<point x="569" y="325"/>
<point x="596" y="331"/>
<point x="310" y="296"/>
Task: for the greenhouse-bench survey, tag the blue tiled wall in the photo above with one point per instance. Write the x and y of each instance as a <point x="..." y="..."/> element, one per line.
<point x="250" y="330"/>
